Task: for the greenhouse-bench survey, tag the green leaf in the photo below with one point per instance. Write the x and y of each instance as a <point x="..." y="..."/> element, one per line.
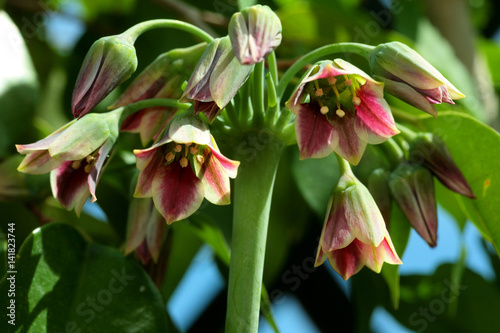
<point x="63" y="283"/>
<point x="315" y="179"/>
<point x="400" y="234"/>
<point x="18" y="86"/>
<point x="475" y="148"/>
<point x="208" y="231"/>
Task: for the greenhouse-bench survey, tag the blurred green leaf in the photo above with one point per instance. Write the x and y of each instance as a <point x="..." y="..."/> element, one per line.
<point x="63" y="283"/>
<point x="94" y="8"/>
<point x="475" y="148"/>
<point x="315" y="179"/>
<point x="426" y="302"/>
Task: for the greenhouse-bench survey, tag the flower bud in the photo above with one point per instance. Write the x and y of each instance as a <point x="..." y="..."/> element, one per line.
<point x="412" y="187"/>
<point x="216" y="79"/>
<point x="163" y="78"/>
<point x="110" y="61"/>
<point x="411" y="78"/>
<point x="437" y="158"/>
<point x="255" y="32"/>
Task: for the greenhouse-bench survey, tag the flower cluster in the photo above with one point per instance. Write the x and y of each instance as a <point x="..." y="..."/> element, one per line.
<point x="337" y="108"/>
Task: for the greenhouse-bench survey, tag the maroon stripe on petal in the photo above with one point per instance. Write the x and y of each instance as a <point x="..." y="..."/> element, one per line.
<point x="177" y="192"/>
<point x="315" y="135"/>
<point x="69" y="186"/>
<point x="349" y="260"/>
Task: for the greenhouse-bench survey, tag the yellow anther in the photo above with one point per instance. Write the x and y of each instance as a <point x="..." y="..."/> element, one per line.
<point x="356" y="100"/>
<point x="324" y="110"/>
<point x="332" y="80"/>
<point x="170" y="157"/>
<point x="76" y="164"/>
<point x="88" y="168"/>
<point x="193" y="150"/>
<point x="178" y="148"/>
<point x="319" y="92"/>
<point x="200" y="159"/>
<point x="89" y="158"/>
<point x="340" y="113"/>
<point x="348" y="82"/>
<point x="183" y="162"/>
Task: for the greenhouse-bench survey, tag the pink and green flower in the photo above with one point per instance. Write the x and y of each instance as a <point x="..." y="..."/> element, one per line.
<point x="183" y="167"/>
<point x="339" y="108"/>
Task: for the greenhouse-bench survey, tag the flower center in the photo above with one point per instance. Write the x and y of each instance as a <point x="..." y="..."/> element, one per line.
<point x="335" y="95"/>
<point x="88" y="162"/>
<point x="182" y="152"/>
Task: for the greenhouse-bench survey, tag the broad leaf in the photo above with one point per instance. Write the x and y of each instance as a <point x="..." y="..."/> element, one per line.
<point x="63" y="283"/>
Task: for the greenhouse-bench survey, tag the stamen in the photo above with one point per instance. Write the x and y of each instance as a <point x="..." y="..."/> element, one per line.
<point x="319" y="92"/>
<point x="336" y="91"/>
<point x="183" y="162"/>
<point x="332" y="80"/>
<point x="188" y="144"/>
<point x="88" y="168"/>
<point x="200" y="159"/>
<point x="316" y="84"/>
<point x="170" y="157"/>
<point x="89" y="158"/>
<point x="76" y="164"/>
<point x="186" y="152"/>
<point x="324" y="110"/>
<point x="193" y="150"/>
<point x="340" y="113"/>
<point x="356" y="100"/>
<point x="348" y="82"/>
<point x="178" y="148"/>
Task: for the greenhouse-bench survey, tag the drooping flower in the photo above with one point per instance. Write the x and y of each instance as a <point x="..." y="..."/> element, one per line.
<point x="182" y="167"/>
<point x="110" y="61"/>
<point x="254" y="32"/>
<point x="436" y="157"/>
<point x="75" y="155"/>
<point x="354" y="232"/>
<point x="339" y="108"/>
<point x="146" y="230"/>
<point x="412" y="187"/>
<point x="411" y="78"/>
<point x="163" y="78"/>
<point x="216" y="79"/>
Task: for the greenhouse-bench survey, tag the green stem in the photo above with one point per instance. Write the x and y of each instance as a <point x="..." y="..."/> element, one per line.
<point x="344" y="166"/>
<point x="407" y="133"/>
<point x="245" y="110"/>
<point x="272" y="102"/>
<point x="273" y="67"/>
<point x="393" y="152"/>
<point x="355" y="48"/>
<point x="134" y="32"/>
<point x="252" y="203"/>
<point x="258" y="94"/>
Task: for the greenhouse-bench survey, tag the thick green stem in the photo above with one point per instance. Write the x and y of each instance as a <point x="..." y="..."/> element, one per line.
<point x="252" y="203"/>
<point x="344" y="166"/>
<point x="354" y="48"/>
<point x="134" y="32"/>
<point x="393" y="152"/>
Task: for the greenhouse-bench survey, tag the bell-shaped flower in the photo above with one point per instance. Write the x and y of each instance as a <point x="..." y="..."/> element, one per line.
<point x="255" y="32"/>
<point x="110" y="61"/>
<point x="354" y="232"/>
<point x="432" y="151"/>
<point x="146" y="230"/>
<point x="339" y="108"/>
<point x="216" y="79"/>
<point x="412" y="187"/>
<point x="411" y="78"/>
<point x="163" y="78"/>
<point x="182" y="167"/>
<point x="75" y="155"/>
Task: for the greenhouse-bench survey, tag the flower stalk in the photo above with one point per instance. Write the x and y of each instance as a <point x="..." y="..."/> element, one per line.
<point x="252" y="203"/>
